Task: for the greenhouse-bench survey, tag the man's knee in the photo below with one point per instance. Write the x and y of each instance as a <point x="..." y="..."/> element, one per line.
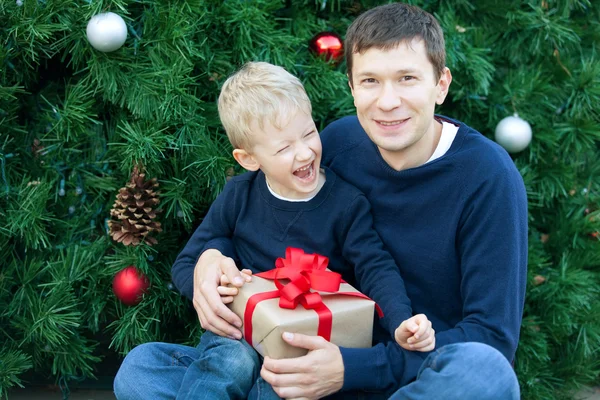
<point x="130" y="374"/>
<point x="484" y="370"/>
<point x="236" y="357"/>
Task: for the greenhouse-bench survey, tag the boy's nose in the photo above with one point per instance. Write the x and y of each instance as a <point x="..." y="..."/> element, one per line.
<point x="304" y="153"/>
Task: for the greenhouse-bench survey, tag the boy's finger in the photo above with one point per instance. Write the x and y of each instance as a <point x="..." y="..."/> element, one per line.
<point x="224" y="281"/>
<point x="425" y="344"/>
<point x="246" y="277"/>
<point x="411" y="326"/>
<point x="227" y="290"/>
<point x="227" y="299"/>
<point x="423" y="328"/>
<point x="247" y="271"/>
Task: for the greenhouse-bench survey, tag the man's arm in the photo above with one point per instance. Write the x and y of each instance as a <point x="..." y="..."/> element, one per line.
<point x="198" y="268"/>
<point x="492" y="242"/>
<point x="215" y="226"/>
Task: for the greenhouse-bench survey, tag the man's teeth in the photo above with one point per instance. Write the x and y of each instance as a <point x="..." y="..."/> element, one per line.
<point x="390" y="123"/>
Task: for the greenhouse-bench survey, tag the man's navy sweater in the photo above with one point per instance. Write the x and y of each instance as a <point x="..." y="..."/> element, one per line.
<point x="457" y="228"/>
<point x="336" y="223"/>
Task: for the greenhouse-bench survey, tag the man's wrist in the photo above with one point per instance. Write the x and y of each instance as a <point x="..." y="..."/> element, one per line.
<point x="209" y="255"/>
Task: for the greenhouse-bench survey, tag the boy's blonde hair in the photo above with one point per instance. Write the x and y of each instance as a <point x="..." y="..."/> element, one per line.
<point x="259" y="92"/>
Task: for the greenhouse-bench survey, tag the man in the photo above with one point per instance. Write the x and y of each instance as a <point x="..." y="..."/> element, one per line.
<point x="451" y="208"/>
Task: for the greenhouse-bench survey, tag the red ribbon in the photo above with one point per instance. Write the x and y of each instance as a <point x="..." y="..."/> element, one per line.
<point x="304" y="272"/>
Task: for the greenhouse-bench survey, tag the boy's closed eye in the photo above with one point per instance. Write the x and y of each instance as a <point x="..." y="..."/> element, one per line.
<point x="282" y="149"/>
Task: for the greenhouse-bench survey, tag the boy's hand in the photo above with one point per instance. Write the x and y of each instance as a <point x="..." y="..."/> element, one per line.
<point x="227" y="292"/>
<point x="416" y="334"/>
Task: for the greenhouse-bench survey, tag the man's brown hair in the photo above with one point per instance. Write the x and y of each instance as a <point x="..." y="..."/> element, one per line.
<point x="385" y="27"/>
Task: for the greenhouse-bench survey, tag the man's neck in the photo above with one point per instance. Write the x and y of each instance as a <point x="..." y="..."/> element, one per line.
<point x="417" y="154"/>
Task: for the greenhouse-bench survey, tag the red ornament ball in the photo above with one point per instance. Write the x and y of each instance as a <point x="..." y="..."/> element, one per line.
<point x="329" y="45"/>
<point x="129" y="284"/>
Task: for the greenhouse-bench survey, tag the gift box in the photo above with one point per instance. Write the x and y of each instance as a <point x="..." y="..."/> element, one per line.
<point x="301" y="296"/>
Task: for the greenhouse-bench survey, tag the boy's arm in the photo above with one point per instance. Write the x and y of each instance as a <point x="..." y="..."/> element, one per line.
<point x="376" y="271"/>
<point x="216" y="227"/>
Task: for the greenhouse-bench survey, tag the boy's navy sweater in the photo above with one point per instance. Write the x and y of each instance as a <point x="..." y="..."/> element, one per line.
<point x="336" y="223"/>
<point x="457" y="228"/>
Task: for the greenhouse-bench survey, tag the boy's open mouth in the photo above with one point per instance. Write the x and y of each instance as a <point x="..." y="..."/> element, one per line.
<point x="306" y="173"/>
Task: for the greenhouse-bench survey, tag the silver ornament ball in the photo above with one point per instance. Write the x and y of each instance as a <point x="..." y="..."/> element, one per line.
<point x="513" y="133"/>
<point x="106" y="32"/>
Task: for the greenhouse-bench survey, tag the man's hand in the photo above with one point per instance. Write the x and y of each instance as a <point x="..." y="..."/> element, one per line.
<point x="315" y="375"/>
<point x="212" y="312"/>
<point x="416" y="334"/>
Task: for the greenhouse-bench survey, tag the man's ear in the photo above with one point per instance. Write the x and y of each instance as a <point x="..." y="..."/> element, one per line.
<point x="246" y="160"/>
<point x="444" y="85"/>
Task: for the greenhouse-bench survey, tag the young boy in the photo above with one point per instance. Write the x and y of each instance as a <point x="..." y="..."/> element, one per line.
<point x="286" y="200"/>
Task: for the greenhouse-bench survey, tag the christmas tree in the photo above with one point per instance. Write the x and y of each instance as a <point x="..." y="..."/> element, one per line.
<point x="111" y="151"/>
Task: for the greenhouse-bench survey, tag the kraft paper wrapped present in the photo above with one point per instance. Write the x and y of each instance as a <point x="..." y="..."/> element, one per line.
<point x="301" y="296"/>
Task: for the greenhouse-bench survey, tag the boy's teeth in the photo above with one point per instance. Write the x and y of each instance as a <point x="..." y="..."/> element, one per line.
<point x="304" y="168"/>
<point x="304" y="172"/>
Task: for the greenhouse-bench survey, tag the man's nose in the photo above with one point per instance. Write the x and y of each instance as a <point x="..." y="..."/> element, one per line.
<point x="389" y="97"/>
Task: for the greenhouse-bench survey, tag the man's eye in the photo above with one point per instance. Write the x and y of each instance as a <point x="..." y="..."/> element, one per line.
<point x="369" y="80"/>
<point x="408" y="78"/>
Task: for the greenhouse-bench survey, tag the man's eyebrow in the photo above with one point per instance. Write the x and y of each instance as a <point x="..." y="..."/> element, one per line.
<point x="399" y="72"/>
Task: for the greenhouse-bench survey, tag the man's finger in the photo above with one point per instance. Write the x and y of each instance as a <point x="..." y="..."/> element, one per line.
<point x="215" y="323"/>
<point x="214" y="303"/>
<point x="304" y="341"/>
<point x="229" y="268"/>
<point x="206" y="325"/>
<point x="282" y="380"/>
<point x="285" y="365"/>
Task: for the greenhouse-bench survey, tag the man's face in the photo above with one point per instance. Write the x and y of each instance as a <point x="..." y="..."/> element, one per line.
<point x="395" y="93"/>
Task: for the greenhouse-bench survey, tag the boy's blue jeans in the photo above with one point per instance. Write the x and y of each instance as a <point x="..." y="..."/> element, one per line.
<point x="221" y="368"/>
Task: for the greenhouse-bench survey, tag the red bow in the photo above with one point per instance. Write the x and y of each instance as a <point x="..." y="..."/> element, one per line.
<point x="304" y="272"/>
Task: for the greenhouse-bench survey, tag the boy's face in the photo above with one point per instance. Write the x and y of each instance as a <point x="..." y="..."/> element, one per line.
<point x="291" y="157"/>
<point x="395" y="92"/>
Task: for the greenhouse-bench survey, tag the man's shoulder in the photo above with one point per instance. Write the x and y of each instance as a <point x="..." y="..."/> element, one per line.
<point x="343" y="133"/>
<point x="478" y="151"/>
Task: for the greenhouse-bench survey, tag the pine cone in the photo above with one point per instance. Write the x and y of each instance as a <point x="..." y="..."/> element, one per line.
<point x="133" y="214"/>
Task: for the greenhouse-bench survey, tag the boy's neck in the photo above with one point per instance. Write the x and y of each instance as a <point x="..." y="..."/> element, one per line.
<point x="309" y="197"/>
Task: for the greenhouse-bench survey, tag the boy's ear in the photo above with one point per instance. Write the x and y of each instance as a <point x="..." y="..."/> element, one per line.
<point x="246" y="160"/>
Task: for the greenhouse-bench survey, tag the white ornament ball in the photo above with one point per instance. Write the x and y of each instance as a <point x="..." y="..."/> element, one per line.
<point x="514" y="134"/>
<point x="106" y="32"/>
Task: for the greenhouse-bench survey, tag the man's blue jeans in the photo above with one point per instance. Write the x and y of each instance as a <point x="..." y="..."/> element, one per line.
<point x="168" y="371"/>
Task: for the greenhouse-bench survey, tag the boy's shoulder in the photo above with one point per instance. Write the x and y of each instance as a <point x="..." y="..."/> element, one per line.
<point x="241" y="183"/>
